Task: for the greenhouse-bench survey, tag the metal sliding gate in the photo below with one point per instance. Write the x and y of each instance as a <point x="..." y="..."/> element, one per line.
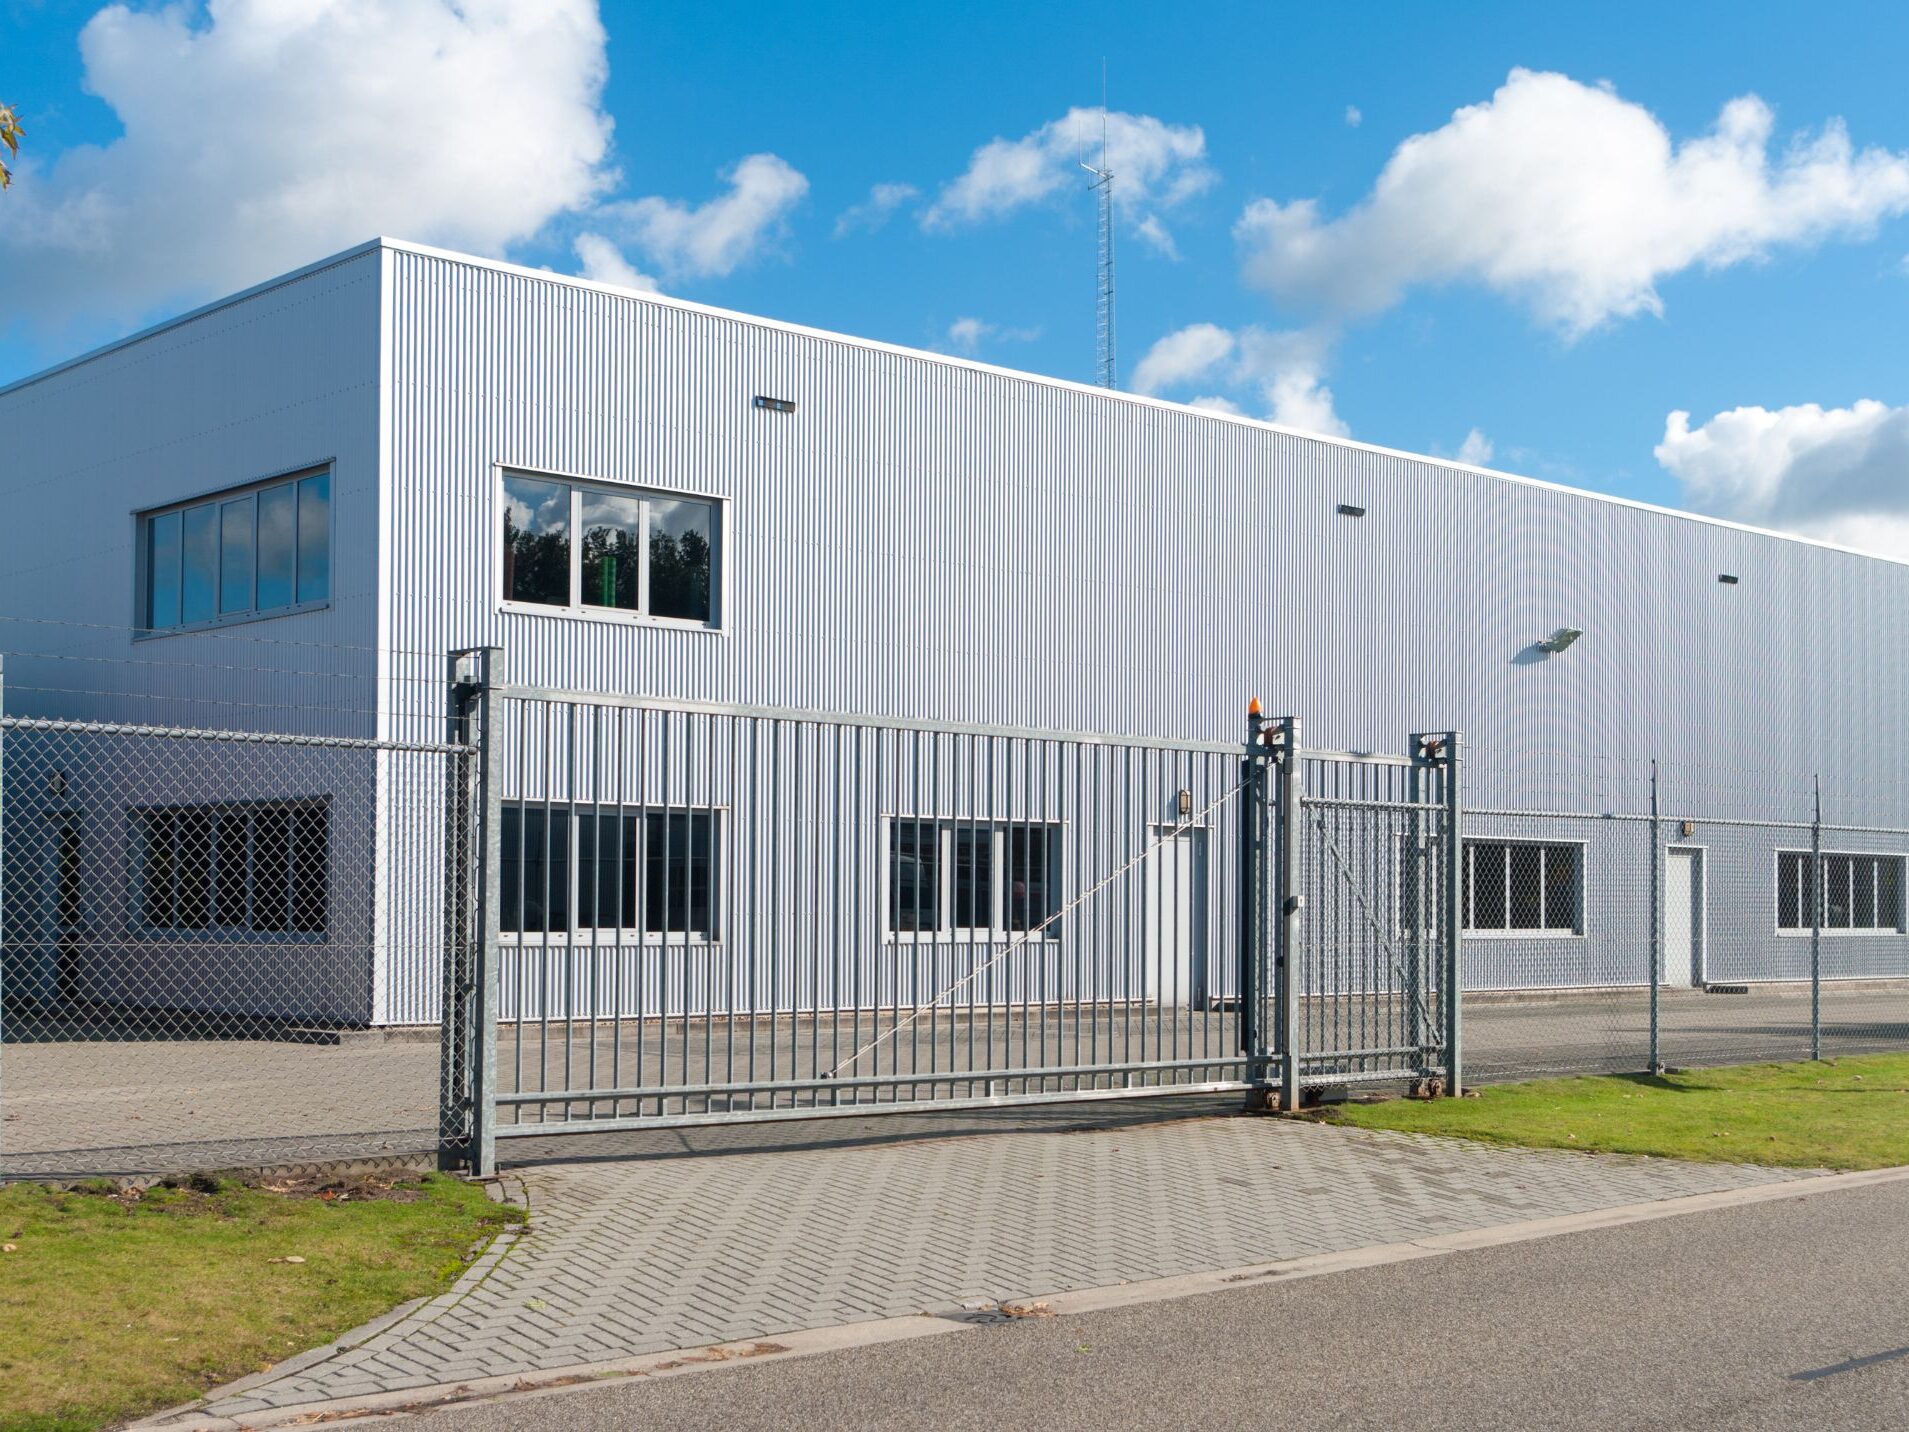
<point x="686" y="913"/>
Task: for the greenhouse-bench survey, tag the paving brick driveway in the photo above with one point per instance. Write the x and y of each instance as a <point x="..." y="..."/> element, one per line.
<point x="699" y="1238"/>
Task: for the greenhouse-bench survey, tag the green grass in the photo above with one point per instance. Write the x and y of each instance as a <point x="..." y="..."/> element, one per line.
<point x="1844" y="1113"/>
<point x="113" y="1305"/>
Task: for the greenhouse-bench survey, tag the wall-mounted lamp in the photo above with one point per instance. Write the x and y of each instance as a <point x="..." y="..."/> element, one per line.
<point x="56" y="784"/>
<point x="775" y="405"/>
<point x="1688" y="827"/>
<point x="1347" y="509"/>
<point x="1184" y="804"/>
<point x="1560" y="639"/>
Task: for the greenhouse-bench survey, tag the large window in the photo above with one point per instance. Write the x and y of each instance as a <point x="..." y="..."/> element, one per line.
<point x="953" y="876"/>
<point x="603" y="549"/>
<point x="1860" y="892"/>
<point x="646" y="871"/>
<point x="257" y="868"/>
<point x="1523" y="887"/>
<point x="250" y="553"/>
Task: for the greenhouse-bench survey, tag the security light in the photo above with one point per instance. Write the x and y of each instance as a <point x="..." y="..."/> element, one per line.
<point x="1560" y="639"/>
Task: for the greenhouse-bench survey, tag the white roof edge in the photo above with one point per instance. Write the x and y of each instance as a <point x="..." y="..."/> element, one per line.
<point x="945" y="359"/>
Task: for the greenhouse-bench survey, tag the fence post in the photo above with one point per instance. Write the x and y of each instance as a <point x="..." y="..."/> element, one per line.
<point x="1453" y="975"/>
<point x="1252" y="906"/>
<point x="469" y="1049"/>
<point x="3" y="875"/>
<point x="1656" y="973"/>
<point x="1286" y="961"/>
<point x="1816" y="923"/>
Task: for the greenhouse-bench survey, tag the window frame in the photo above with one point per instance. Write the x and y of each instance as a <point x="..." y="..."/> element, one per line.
<point x="215" y="498"/>
<point x="575" y="934"/>
<point x="1580" y="926"/>
<point x="1870" y="932"/>
<point x="214" y="930"/>
<point x="945" y="829"/>
<point x="576" y="609"/>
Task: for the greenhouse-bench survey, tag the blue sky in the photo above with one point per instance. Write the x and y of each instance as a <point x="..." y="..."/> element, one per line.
<point x="1644" y="210"/>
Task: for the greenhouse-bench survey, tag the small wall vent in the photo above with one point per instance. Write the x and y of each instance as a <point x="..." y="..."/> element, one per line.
<point x="1727" y="578"/>
<point x="775" y="405"/>
<point x="1347" y="509"/>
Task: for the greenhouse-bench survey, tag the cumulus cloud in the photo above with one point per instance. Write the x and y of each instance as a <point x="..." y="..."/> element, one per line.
<point x="1353" y="117"/>
<point x="260" y="135"/>
<point x="965" y="335"/>
<point x="876" y="210"/>
<point x="1286" y="369"/>
<point x="1476" y="449"/>
<point x="604" y="262"/>
<point x="718" y="236"/>
<point x="1837" y="473"/>
<point x="1574" y="202"/>
<point x="1156" y="166"/>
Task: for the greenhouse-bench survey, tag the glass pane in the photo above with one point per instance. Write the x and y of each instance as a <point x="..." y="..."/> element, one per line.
<point x="973" y="878"/>
<point x="606" y="870"/>
<point x="1836" y="892"/>
<point x="162" y="571"/>
<point x="1561" y="886"/>
<point x="682" y="557"/>
<point x="229" y="880"/>
<point x="535" y="869"/>
<point x="536" y="542"/>
<point x="677" y="861"/>
<point x="193" y="906"/>
<point x="311" y="869"/>
<point x="1889" y="893"/>
<point x="1862" y="895"/>
<point x="271" y="868"/>
<point x="314" y="538"/>
<point x="199" y="592"/>
<point x="1789" y="891"/>
<point x="914" y="876"/>
<point x="1032" y="856"/>
<point x="158" y="828"/>
<point x="1527" y="909"/>
<point x="235" y="555"/>
<point x="278" y="521"/>
<point x="612" y="550"/>
<point x="1488" y="887"/>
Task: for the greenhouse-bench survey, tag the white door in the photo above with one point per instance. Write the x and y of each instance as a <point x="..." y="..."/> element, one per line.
<point x="1683" y="916"/>
<point x="1176" y="917"/>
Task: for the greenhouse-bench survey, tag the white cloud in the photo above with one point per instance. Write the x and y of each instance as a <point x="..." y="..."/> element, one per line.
<point x="1285" y="369"/>
<point x="876" y="210"/>
<point x="604" y="262"/>
<point x="718" y="236"/>
<point x="1156" y="166"/>
<point x="1476" y="450"/>
<point x="1836" y="473"/>
<point x="1574" y="202"/>
<point x="263" y="134"/>
<point x="965" y="335"/>
<point x="1353" y="117"/>
<point x="1214" y="403"/>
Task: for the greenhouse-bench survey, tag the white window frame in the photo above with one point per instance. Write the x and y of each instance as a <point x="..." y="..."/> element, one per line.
<point x="1897" y="930"/>
<point x="1581" y="923"/>
<point x="945" y="827"/>
<point x="577" y="609"/>
<point x="142" y="627"/>
<point x="578" y="935"/>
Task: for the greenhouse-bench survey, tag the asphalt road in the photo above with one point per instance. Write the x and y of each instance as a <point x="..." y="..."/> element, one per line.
<point x="1784" y="1315"/>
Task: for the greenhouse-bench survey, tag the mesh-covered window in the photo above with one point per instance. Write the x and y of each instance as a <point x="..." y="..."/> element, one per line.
<point x="1860" y="892"/>
<point x="1523" y="887"/>
<point x="261" y="868"/>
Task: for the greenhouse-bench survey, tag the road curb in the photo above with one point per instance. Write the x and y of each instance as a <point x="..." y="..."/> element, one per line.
<point x="874" y="1332"/>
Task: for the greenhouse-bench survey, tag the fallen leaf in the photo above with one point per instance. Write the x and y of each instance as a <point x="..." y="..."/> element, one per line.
<point x="536" y="1305"/>
<point x="290" y="1258"/>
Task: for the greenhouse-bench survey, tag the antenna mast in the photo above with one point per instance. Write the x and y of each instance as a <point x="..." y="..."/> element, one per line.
<point x="1106" y="371"/>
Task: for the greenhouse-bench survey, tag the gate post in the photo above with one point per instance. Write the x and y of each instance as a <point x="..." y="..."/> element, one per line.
<point x="1252" y="927"/>
<point x="1453" y="974"/>
<point x="473" y="873"/>
<point x="1817" y="884"/>
<point x="1656" y="977"/>
<point x="1286" y="958"/>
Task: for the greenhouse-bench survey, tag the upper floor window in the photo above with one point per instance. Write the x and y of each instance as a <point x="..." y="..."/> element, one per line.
<point x="594" y="548"/>
<point x="251" y="552"/>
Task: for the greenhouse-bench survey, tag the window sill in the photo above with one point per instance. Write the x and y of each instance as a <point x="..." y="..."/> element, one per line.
<point x="1524" y="935"/>
<point x="604" y="939"/>
<point x="236" y="619"/>
<point x="965" y="937"/>
<point x="609" y="616"/>
<point x="1842" y="933"/>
